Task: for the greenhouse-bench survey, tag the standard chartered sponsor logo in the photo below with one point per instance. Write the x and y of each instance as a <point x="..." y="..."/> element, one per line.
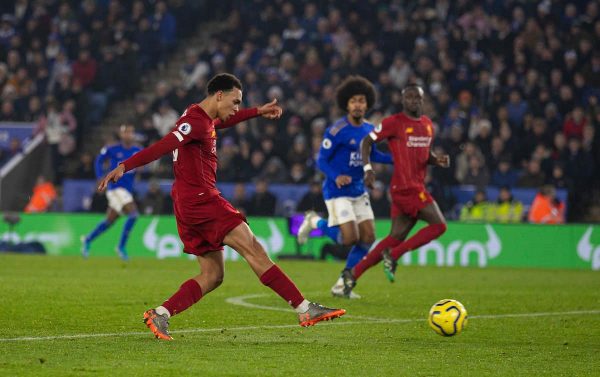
<point x="168" y="245"/>
<point x="586" y="250"/>
<point x="458" y="252"/>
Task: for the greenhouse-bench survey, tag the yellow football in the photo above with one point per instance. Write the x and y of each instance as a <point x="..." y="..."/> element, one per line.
<point x="447" y="317"/>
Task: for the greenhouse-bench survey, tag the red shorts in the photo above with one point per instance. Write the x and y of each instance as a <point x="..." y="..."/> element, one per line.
<point x="409" y="202"/>
<point x="203" y="224"/>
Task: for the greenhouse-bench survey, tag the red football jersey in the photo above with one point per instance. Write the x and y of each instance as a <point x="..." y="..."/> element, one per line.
<point x="410" y="142"/>
<point x="193" y="143"/>
<point x="195" y="159"/>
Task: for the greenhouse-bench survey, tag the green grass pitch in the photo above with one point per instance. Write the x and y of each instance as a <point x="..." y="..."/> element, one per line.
<point x="63" y="316"/>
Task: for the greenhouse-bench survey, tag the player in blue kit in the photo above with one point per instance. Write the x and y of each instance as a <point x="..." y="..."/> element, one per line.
<point x="119" y="194"/>
<point x="351" y="218"/>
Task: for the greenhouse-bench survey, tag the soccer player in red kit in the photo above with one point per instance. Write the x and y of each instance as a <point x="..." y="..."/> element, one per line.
<point x="205" y="220"/>
<point x="410" y="135"/>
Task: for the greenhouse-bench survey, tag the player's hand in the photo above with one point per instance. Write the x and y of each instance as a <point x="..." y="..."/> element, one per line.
<point x="443" y="161"/>
<point x="270" y="110"/>
<point x="342" y="180"/>
<point x="113" y="176"/>
<point x="369" y="178"/>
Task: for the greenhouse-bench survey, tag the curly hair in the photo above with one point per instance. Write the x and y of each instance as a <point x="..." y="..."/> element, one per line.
<point x="352" y="86"/>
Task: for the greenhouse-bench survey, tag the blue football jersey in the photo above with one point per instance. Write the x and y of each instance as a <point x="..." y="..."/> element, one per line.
<point x="115" y="154"/>
<point x="340" y="155"/>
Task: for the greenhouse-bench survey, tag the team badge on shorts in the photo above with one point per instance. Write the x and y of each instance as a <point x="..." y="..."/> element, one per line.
<point x="422" y="196"/>
<point x="185" y="128"/>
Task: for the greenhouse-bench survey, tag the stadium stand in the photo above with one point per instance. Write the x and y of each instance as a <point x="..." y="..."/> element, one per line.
<point x="513" y="86"/>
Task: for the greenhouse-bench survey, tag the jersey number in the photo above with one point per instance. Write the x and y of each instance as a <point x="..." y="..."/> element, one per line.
<point x="175" y="154"/>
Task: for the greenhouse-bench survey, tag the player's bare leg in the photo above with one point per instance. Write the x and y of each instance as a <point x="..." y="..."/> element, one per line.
<point x="211" y="276"/>
<point x="86" y="241"/>
<point x="401" y="226"/>
<point x="432" y="215"/>
<point x="244" y="242"/>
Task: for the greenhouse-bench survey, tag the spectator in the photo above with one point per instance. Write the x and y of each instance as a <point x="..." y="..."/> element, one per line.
<point x="504" y="176"/>
<point x="55" y="127"/>
<point x="263" y="202"/>
<point x="478" y="209"/>
<point x="477" y="175"/>
<point x="193" y="69"/>
<point x="579" y="165"/>
<point x="14" y="148"/>
<point x="154" y="200"/>
<point x="379" y="201"/>
<point x="558" y="179"/>
<point x="275" y="171"/>
<point x="575" y="123"/>
<point x="84" y="69"/>
<point x="298" y="174"/>
<point x="533" y="176"/>
<point x="313" y="199"/>
<point x="239" y="199"/>
<point x="85" y="167"/>
<point x="463" y="160"/>
<point x="164" y="118"/>
<point x="507" y="209"/>
<point x="546" y="208"/>
<point x="43" y="196"/>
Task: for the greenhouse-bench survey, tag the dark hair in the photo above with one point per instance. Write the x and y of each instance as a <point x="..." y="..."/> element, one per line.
<point x="223" y="82"/>
<point x="352" y="86"/>
<point x="413" y="86"/>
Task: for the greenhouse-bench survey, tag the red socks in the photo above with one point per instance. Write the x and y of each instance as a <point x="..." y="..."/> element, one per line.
<point x="423" y="236"/>
<point x="190" y="291"/>
<point x="188" y="294"/>
<point x="278" y="281"/>
<point x="374" y="256"/>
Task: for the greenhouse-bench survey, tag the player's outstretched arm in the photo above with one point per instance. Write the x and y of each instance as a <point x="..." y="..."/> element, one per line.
<point x="366" y="145"/>
<point x="165" y="145"/>
<point x="269" y="110"/>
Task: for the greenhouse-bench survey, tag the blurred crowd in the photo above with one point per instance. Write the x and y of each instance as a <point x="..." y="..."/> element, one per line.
<point x="62" y="63"/>
<point x="513" y="87"/>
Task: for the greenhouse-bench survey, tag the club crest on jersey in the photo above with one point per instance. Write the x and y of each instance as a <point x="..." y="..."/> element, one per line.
<point x="429" y="132"/>
<point x="352" y="142"/>
<point x="326" y="143"/>
<point x="409" y="130"/>
<point x="213" y="133"/>
<point x="185" y="128"/>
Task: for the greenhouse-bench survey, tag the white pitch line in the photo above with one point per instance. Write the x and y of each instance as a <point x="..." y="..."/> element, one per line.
<point x="240" y="301"/>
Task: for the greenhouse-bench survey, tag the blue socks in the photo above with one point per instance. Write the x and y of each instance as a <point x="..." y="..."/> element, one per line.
<point x="100" y="228"/>
<point x="131" y="218"/>
<point x="357" y="253"/>
<point x="332" y="232"/>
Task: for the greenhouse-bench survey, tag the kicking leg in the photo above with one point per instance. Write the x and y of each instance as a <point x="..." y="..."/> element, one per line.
<point x="244" y="242"/>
